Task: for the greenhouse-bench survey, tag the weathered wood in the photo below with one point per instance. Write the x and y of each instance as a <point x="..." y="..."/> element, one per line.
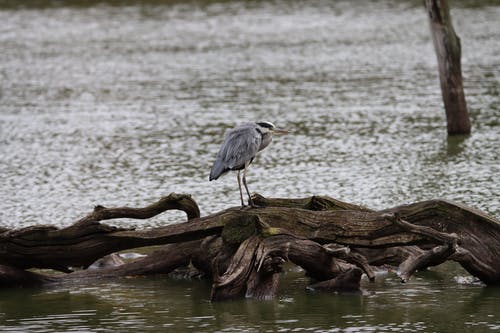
<point x="58" y="248"/>
<point x="162" y="261"/>
<point x="316" y="202"/>
<point x="348" y="281"/>
<point x="263" y="283"/>
<point x="243" y="249"/>
<point x="432" y="257"/>
<point x="87" y="240"/>
<point x="213" y="257"/>
<point x="233" y="283"/>
<point x="448" y="51"/>
<point x="254" y="268"/>
<point x="352" y="257"/>
<point x="16" y="277"/>
<point x="392" y="256"/>
<point x="319" y="262"/>
<point x="176" y="201"/>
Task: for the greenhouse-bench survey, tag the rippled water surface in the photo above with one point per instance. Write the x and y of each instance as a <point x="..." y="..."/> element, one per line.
<point x="159" y="305"/>
<point x="120" y="103"/>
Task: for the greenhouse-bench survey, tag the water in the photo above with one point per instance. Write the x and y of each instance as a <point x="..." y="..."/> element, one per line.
<point x="120" y="103"/>
<point x="159" y="304"/>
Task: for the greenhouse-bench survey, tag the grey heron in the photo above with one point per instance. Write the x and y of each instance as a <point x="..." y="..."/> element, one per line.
<point x="241" y="145"/>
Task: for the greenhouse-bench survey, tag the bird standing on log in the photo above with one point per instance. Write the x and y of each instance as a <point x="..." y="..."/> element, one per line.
<point x="241" y="145"/>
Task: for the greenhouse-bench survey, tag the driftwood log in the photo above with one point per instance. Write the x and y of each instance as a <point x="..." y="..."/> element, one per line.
<point x="242" y="250"/>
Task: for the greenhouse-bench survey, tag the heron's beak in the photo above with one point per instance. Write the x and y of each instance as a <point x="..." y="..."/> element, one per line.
<point x="280" y="131"/>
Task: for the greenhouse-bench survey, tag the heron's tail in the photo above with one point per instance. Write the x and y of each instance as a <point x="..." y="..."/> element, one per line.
<point x="217" y="170"/>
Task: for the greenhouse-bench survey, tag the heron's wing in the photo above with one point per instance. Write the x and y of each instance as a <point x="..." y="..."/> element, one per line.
<point x="240" y="145"/>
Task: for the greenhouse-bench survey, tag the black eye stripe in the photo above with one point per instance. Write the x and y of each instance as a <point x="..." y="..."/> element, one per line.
<point x="266" y="125"/>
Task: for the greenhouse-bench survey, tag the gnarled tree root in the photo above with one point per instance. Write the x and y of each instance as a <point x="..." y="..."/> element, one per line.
<point x="243" y="250"/>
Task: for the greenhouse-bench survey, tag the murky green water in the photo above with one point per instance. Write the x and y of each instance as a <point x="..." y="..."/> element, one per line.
<point x="432" y="302"/>
<point x="120" y="103"/>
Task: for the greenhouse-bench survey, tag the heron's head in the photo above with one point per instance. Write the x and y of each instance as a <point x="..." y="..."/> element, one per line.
<point x="268" y="127"/>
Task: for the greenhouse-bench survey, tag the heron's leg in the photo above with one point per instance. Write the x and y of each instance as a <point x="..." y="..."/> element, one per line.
<point x="245" y="183"/>
<point x="239" y="186"/>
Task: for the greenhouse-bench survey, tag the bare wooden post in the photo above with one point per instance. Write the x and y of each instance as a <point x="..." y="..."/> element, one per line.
<point x="448" y="51"/>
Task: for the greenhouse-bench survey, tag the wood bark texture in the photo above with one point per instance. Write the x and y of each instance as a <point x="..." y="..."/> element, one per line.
<point x="448" y="51"/>
<point x="242" y="250"/>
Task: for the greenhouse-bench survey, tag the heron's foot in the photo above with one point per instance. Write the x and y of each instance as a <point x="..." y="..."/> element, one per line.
<point x="249" y="206"/>
<point x="252" y="204"/>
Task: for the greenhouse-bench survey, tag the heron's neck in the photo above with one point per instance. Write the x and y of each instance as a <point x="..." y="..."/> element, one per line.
<point x="266" y="140"/>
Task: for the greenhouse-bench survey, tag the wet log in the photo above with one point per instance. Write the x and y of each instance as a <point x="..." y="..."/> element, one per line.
<point x="348" y="281"/>
<point x="315" y="203"/>
<point x="81" y="244"/>
<point x="162" y="261"/>
<point x="433" y="257"/>
<point x="16" y="277"/>
<point x="242" y="249"/>
<point x="448" y="52"/>
<point x="254" y="267"/>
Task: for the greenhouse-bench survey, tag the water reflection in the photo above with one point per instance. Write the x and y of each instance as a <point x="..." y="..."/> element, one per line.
<point x="154" y="303"/>
<point x="455" y="144"/>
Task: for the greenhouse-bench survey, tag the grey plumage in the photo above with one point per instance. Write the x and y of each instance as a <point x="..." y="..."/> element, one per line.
<point x="241" y="145"/>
